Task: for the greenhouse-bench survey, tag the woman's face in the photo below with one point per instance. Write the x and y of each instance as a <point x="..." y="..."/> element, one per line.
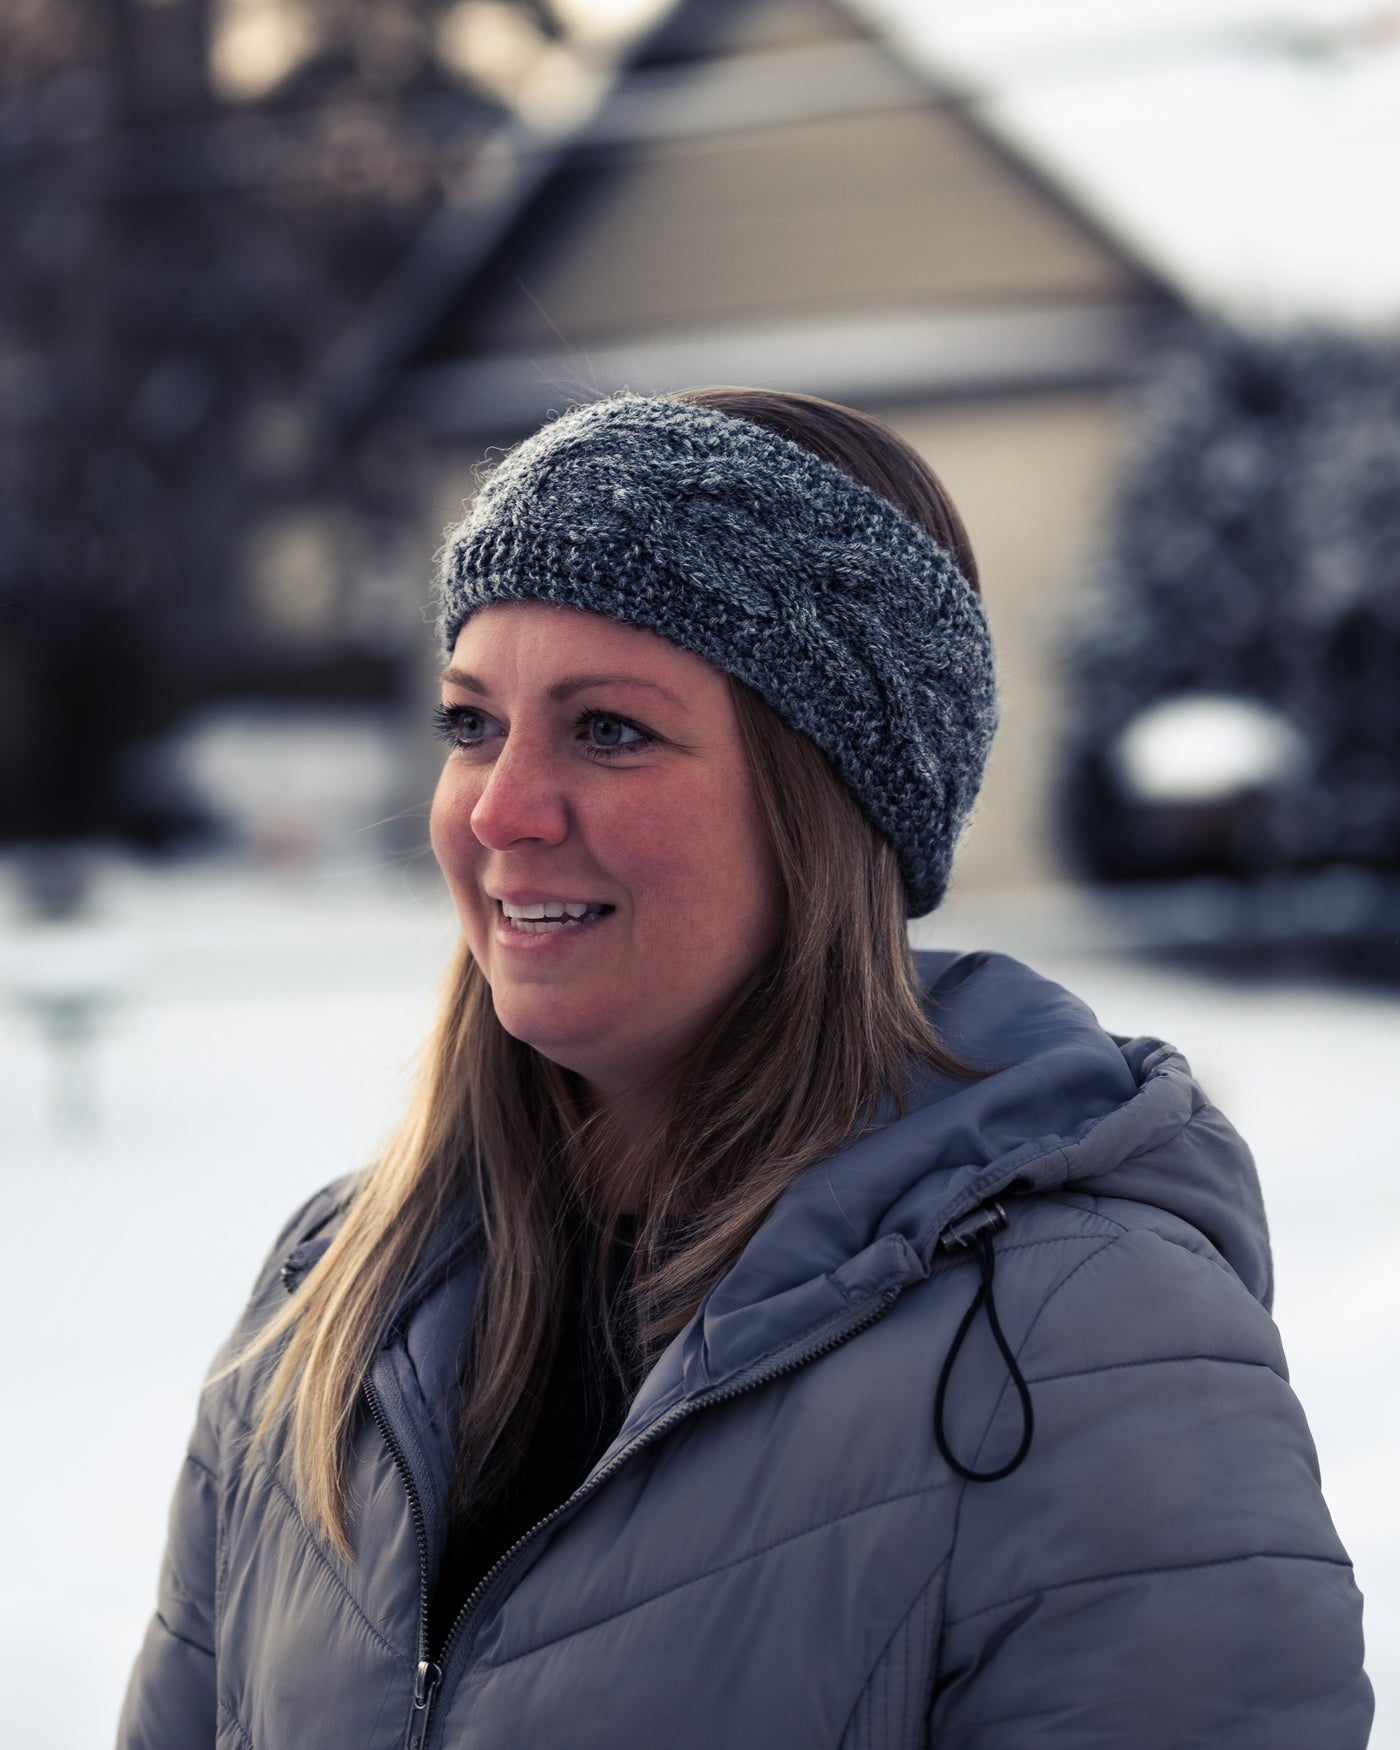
<point x="596" y="771"/>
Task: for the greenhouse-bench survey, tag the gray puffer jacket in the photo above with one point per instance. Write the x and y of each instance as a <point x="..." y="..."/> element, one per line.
<point x="775" y="1554"/>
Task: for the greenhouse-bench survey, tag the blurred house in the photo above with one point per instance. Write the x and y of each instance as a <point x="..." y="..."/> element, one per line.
<point x="771" y="194"/>
<point x="559" y="200"/>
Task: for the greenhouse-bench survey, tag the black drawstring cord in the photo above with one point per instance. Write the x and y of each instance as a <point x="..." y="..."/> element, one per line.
<point x="975" y="1235"/>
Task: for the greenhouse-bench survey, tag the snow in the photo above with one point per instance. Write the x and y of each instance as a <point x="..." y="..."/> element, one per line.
<point x="1244" y="146"/>
<point x="255" y="1039"/>
<point x="1205" y="747"/>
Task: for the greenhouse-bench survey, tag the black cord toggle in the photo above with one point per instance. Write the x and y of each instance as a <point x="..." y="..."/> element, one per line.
<point x="974" y="1234"/>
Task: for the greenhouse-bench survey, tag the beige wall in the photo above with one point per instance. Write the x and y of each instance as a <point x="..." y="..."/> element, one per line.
<point x="905" y="210"/>
<point x="1031" y="478"/>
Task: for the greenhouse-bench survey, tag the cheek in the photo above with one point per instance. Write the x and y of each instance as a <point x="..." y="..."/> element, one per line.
<point x="454" y="843"/>
<point x="658" y="841"/>
<point x="708" y="859"/>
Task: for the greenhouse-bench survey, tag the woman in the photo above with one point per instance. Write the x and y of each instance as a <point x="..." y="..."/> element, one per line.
<point x="751" y="1337"/>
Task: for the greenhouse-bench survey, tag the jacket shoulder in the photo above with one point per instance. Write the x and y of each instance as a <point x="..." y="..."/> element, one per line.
<point x="310" y="1219"/>
<point x="229" y="1386"/>
<point x="313" y="1220"/>
<point x="1107" y="1280"/>
<point x="1172" y="1483"/>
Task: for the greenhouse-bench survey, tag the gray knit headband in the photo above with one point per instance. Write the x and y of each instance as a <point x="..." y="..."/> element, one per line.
<point x="851" y="621"/>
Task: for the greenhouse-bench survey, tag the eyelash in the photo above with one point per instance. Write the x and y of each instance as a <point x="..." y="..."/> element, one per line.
<point x="447" y="723"/>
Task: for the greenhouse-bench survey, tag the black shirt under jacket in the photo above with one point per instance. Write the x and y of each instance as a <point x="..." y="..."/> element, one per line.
<point x="585" y="1402"/>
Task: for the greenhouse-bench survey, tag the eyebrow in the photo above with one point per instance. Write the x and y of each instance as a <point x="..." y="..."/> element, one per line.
<point x="565" y="689"/>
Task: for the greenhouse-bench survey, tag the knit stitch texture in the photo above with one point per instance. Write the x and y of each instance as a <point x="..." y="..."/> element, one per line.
<point x="847" y="617"/>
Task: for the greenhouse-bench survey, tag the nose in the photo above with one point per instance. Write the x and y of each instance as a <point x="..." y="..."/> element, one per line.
<point x="521" y="799"/>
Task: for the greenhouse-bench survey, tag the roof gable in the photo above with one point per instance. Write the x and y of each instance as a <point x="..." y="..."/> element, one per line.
<point x="875" y="209"/>
<point x="768" y="162"/>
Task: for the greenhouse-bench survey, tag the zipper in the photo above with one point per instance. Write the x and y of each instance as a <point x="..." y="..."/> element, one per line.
<point x="428" y="1678"/>
<point x="425" y="1685"/>
<point x="429" y="1672"/>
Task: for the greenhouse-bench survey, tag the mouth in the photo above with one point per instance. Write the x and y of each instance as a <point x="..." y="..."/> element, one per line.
<point x="551" y="917"/>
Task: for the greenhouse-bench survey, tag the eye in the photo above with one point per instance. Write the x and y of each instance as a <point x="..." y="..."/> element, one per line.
<point x="612" y="735"/>
<point x="461" y="725"/>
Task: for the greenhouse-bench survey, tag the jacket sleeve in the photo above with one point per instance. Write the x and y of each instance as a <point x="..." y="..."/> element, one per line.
<point x="1161" y="1570"/>
<point x="171" y="1696"/>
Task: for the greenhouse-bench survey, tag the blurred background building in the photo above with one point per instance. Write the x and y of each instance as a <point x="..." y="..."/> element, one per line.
<point x="279" y="273"/>
<point x="276" y="275"/>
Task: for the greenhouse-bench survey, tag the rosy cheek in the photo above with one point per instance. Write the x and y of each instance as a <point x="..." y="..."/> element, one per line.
<point x="449" y="826"/>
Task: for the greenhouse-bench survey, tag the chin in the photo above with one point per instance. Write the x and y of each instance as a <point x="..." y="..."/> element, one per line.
<point x="547" y="1026"/>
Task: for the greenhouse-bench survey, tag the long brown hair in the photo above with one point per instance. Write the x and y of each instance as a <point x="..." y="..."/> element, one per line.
<point x="826" y="1029"/>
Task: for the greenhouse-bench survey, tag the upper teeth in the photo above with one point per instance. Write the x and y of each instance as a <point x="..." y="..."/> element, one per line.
<point x="550" y="908"/>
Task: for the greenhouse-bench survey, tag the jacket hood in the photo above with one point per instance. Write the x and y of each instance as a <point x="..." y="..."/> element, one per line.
<point x="1061" y="1105"/>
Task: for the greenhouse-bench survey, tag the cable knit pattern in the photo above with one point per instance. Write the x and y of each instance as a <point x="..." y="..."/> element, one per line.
<point x="851" y="621"/>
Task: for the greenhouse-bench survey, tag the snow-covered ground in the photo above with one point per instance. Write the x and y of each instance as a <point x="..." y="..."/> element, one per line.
<point x="257" y="1043"/>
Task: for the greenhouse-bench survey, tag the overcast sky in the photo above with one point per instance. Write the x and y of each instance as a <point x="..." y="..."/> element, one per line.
<point x="1250" y="148"/>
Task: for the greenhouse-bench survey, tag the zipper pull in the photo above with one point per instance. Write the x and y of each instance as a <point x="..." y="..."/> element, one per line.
<point x="974" y="1234"/>
<point x="424" y="1689"/>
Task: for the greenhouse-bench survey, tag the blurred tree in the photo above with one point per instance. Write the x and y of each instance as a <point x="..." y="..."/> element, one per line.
<point x="1253" y="555"/>
<point x="198" y="488"/>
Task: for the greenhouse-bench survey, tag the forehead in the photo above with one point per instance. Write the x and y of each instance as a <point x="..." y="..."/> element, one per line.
<point x="537" y="642"/>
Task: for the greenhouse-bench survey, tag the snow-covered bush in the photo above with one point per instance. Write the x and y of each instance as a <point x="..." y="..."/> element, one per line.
<point x="1254" y="554"/>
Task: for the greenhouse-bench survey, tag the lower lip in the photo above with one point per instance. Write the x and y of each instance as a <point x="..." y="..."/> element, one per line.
<point x="545" y="941"/>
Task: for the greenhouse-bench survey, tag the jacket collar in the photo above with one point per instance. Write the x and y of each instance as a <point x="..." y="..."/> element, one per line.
<point x="1065" y="1104"/>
